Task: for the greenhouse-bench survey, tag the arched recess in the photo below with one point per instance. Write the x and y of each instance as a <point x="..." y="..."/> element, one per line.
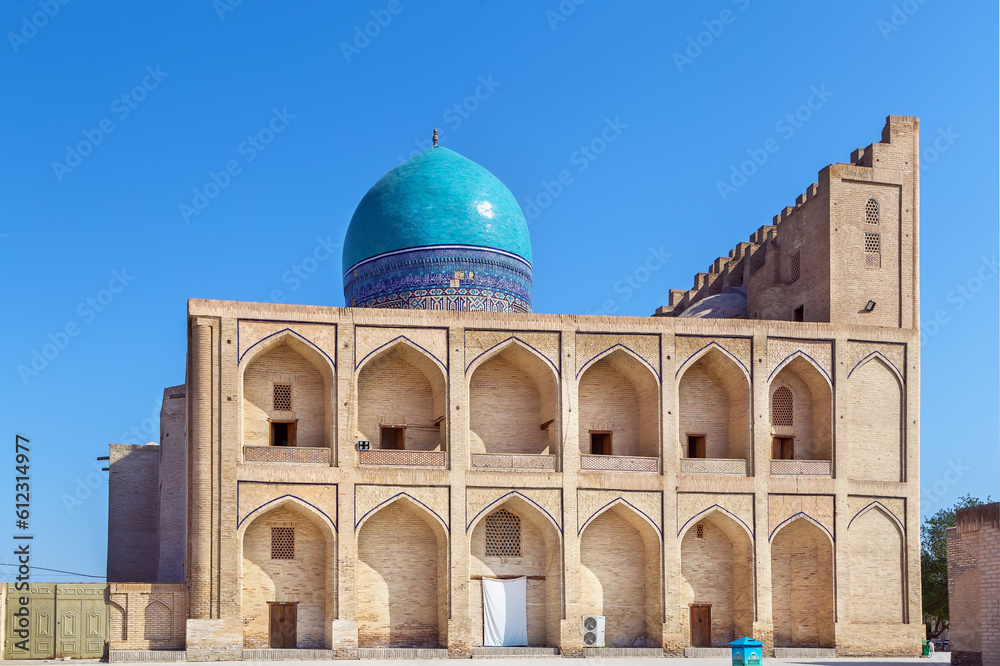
<point x="513" y="402"/>
<point x="402" y="386"/>
<point x="540" y="561"/>
<point x="287" y="359"/>
<point x="117" y="622"/>
<point x="874" y="424"/>
<point x="717" y="570"/>
<point x="402" y="578"/>
<point x="714" y="404"/>
<point x="156" y="622"/>
<point x="802" y="576"/>
<point x="620" y="576"/>
<point x="809" y="425"/>
<point x="288" y="554"/>
<point x="875" y="565"/>
<point x="620" y="395"/>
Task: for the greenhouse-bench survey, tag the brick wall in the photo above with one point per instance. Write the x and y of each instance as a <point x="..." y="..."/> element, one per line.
<point x="874" y="549"/>
<point x="811" y="410"/>
<point x="539" y="561"/>
<point x="507" y="408"/>
<point x="302" y="580"/>
<point x="974" y="585"/>
<point x="802" y="586"/>
<point x="146" y="616"/>
<point x="619" y="580"/>
<point x="173" y="485"/>
<point x="715" y="570"/>
<point x="713" y="401"/>
<point x="401" y="588"/>
<point x="284" y="365"/>
<point x="872" y="423"/>
<point x="394" y="391"/>
<point x="133" y="513"/>
<point x="618" y="393"/>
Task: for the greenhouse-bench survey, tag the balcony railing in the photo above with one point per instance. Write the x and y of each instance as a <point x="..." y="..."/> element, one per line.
<point x="513" y="461"/>
<point x="802" y="467"/>
<point x="713" y="466"/>
<point x="287" y="454"/>
<point x="619" y="463"/>
<point x="402" y="458"/>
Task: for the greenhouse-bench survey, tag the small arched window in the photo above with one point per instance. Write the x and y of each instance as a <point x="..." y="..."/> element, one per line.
<point x="871" y="211"/>
<point x="781" y="407"/>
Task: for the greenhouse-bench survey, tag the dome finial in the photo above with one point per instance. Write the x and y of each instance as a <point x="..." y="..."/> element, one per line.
<point x="435" y="138"/>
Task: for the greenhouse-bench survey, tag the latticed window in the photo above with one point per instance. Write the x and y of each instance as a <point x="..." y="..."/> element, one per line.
<point x="871" y="211"/>
<point x="503" y="534"/>
<point x="700" y="531"/>
<point x="781" y="407"/>
<point x="283" y="397"/>
<point x="282" y="543"/>
<point x="873" y="250"/>
<point x="796" y="266"/>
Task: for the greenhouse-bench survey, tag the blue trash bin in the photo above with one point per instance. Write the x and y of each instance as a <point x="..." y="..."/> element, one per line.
<point x="747" y="652"/>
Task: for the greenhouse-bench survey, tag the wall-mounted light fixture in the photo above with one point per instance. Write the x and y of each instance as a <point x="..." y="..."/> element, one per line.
<point x="870" y="306"/>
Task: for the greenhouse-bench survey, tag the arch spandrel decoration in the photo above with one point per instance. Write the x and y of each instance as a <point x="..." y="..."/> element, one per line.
<point x="692" y="506"/>
<point x="647" y="506"/>
<point x="322" y="519"/>
<point x="481" y="501"/>
<point x="369" y="341"/>
<point x="781" y="351"/>
<point x="591" y="347"/>
<point x="369" y="499"/>
<point x="688" y="349"/>
<point x="483" y="345"/>
<point x="256" y="337"/>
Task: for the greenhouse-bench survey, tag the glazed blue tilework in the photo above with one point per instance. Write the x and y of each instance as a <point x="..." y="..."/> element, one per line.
<point x="437" y="197"/>
<point x="421" y="278"/>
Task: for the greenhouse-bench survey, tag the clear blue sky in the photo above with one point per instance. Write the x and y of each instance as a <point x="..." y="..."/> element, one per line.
<point x="162" y="94"/>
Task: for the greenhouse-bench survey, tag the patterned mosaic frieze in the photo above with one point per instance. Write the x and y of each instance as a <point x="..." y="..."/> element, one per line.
<point x="856" y="352"/>
<point x="287" y="454"/>
<point x="619" y="463"/>
<point x="591" y="345"/>
<point x="478" y="342"/>
<point x="402" y="458"/>
<point x="783" y="508"/>
<point x="547" y="500"/>
<point x="369" y="339"/>
<point x="442" y="277"/>
<point x="687" y="346"/>
<point x="779" y="349"/>
<point x="648" y="504"/>
<point x="252" y="333"/>
<point x="513" y="461"/>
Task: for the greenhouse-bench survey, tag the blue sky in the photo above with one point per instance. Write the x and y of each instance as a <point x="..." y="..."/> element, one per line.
<point x="155" y="152"/>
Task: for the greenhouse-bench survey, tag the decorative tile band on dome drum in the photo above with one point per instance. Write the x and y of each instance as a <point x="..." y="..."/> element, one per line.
<point x="441" y="277"/>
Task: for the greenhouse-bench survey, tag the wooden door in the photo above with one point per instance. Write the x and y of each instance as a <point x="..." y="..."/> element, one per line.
<point x="701" y="625"/>
<point x="282" y="625"/>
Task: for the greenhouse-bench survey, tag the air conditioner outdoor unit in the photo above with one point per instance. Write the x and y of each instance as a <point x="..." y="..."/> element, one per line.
<point x="593" y="630"/>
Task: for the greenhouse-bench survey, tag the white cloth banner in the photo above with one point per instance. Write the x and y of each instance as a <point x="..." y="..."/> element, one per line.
<point x="505" y="612"/>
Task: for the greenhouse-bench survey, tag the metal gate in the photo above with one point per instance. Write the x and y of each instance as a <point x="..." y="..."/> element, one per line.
<point x="64" y="620"/>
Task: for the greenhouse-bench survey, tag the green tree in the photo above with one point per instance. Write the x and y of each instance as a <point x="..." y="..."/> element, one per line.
<point x="934" y="564"/>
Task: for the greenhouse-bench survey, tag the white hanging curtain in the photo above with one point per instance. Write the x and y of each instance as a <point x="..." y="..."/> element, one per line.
<point x="505" y="612"/>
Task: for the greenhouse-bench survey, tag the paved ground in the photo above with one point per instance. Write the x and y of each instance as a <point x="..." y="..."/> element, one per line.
<point x="941" y="658"/>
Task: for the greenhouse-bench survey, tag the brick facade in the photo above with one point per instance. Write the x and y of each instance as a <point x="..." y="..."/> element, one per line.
<point x="974" y="585"/>
<point x="392" y="553"/>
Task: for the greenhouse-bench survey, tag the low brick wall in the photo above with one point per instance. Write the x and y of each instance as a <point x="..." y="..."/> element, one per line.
<point x="214" y="640"/>
<point x="146" y="616"/>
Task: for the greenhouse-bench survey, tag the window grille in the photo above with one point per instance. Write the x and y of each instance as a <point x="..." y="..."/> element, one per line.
<point x="796" y="266"/>
<point x="503" y="534"/>
<point x="283" y="397"/>
<point x="781" y="407"/>
<point x="871" y="212"/>
<point x="282" y="543"/>
<point x="700" y="531"/>
<point x="873" y="250"/>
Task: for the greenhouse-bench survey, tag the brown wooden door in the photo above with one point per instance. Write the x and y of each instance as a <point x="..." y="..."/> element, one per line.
<point x="282" y="625"/>
<point x="701" y="625"/>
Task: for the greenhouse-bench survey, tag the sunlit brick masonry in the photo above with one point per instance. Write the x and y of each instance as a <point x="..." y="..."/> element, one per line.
<point x="744" y="462"/>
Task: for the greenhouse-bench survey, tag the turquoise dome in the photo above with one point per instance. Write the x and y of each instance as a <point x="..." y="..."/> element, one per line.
<point x="437" y="198"/>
